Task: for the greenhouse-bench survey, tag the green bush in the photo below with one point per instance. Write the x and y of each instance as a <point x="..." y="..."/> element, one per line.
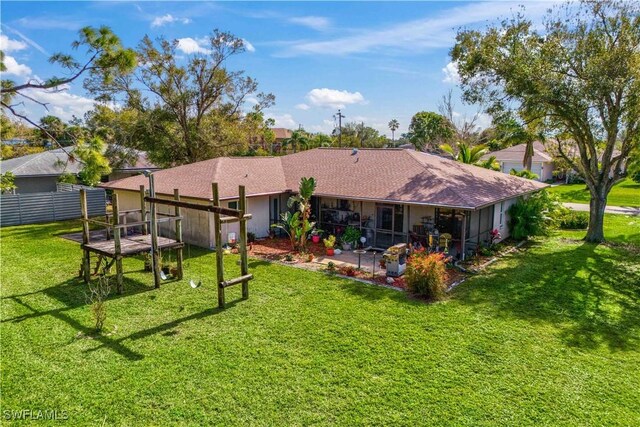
<point x="573" y="220"/>
<point x="351" y="235"/>
<point x="534" y="215"/>
<point x="524" y="173"/>
<point x="426" y="275"/>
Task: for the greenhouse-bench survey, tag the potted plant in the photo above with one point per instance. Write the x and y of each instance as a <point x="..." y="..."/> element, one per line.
<point x="350" y="237"/>
<point x="329" y="243"/>
<point x="315" y="235"/>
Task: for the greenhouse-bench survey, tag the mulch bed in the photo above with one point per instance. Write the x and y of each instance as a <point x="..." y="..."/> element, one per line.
<point x="276" y="249"/>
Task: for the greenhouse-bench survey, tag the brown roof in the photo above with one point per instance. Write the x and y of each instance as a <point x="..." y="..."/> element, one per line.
<point x="516" y="153"/>
<point x="393" y="175"/>
<point x="282" y="133"/>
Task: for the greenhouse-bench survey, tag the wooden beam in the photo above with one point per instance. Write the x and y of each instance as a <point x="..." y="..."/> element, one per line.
<point x="178" y="224"/>
<point x="229" y="219"/>
<point x="242" y="279"/>
<point x="244" y="261"/>
<point x="143" y="210"/>
<point x="218" y="241"/>
<point x="117" y="243"/>
<point x="86" y="255"/>
<point x="188" y="205"/>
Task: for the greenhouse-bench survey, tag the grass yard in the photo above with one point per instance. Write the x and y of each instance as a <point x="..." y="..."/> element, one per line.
<point x="624" y="193"/>
<point x="548" y="336"/>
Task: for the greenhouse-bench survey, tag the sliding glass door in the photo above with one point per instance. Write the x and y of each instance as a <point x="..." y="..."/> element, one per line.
<point x="389" y="225"/>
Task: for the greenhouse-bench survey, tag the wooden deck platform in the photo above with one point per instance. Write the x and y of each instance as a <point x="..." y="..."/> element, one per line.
<point x="131" y="245"/>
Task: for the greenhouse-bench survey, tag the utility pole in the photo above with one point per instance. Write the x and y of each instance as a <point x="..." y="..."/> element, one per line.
<point x="339" y="116"/>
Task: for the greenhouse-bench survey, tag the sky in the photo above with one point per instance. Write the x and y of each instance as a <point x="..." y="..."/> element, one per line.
<point x="376" y="61"/>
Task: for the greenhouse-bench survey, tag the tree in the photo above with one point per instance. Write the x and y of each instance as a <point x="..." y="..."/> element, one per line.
<point x="471" y="155"/>
<point x="358" y="135"/>
<point x="189" y="112"/>
<point x="95" y="165"/>
<point x="298" y="140"/>
<point x="581" y="76"/>
<point x="428" y="130"/>
<point x="7" y="183"/>
<point x="106" y="58"/>
<point x="393" y="125"/>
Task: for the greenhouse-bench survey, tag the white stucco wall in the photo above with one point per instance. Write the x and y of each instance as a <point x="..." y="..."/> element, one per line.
<point x="258" y="207"/>
<point x="544" y="170"/>
<point x="502" y="227"/>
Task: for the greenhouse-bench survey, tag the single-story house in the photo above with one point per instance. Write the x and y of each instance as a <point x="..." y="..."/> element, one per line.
<point x="393" y="195"/>
<point x="39" y="172"/>
<point x="511" y="158"/>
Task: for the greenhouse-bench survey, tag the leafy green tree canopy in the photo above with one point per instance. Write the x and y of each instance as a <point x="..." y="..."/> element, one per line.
<point x="429" y="129"/>
<point x="579" y="76"/>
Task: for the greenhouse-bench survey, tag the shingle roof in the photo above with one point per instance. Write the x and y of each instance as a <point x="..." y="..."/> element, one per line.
<point x="516" y="153"/>
<point x="282" y="133"/>
<point x="393" y="175"/>
<point x="51" y="162"/>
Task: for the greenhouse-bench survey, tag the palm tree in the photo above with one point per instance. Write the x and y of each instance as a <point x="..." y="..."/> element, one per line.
<point x="471" y="155"/>
<point x="297" y="140"/>
<point x="393" y="125"/>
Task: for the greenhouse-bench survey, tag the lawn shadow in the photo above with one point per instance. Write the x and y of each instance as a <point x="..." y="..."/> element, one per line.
<point x="72" y="294"/>
<point x="590" y="295"/>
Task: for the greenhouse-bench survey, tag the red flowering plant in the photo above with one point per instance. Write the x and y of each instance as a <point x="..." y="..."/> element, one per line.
<point x="494" y="235"/>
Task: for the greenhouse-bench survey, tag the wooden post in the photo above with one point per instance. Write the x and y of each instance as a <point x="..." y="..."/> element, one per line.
<point x="244" y="262"/>
<point x="463" y="237"/>
<point x="143" y="211"/>
<point x="218" y="240"/>
<point x="86" y="255"/>
<point x="155" y="254"/>
<point x="176" y="196"/>
<point x="116" y="242"/>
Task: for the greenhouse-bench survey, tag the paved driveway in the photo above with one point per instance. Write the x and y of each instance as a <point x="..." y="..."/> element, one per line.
<point x="609" y="209"/>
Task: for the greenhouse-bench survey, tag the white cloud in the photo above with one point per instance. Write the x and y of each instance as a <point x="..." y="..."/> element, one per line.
<point x="26" y="40"/>
<point x="8" y="45"/>
<point x="159" y="21"/>
<point x="283" y="120"/>
<point x="318" y="23"/>
<point x="303" y="107"/>
<point x="60" y="103"/>
<point x="451" y="73"/>
<point x="418" y="35"/>
<point x="189" y="46"/>
<point x="332" y="98"/>
<point x="14" y="68"/>
<point x="483" y="121"/>
<point x="248" y="46"/>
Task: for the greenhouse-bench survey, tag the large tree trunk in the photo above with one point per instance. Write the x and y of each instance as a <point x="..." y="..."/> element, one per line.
<point x="595" y="232"/>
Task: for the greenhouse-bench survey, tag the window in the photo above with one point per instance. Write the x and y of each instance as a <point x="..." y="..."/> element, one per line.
<point x="501" y="214"/>
<point x="233" y="205"/>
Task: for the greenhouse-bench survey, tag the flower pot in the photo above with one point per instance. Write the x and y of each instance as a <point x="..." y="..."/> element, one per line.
<point x="346" y="246"/>
<point x="315" y="238"/>
<point x="330" y="252"/>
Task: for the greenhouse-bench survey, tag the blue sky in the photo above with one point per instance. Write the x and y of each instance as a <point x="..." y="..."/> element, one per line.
<point x="375" y="60"/>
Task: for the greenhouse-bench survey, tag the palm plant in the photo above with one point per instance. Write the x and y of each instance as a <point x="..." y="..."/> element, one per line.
<point x="297" y="225"/>
<point x="466" y="153"/>
<point x="297" y="140"/>
<point x="393" y="125"/>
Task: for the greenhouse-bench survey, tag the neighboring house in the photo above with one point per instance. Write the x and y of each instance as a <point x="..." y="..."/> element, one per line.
<point x="281" y="134"/>
<point x="39" y="172"/>
<point x="141" y="164"/>
<point x="392" y="195"/>
<point x="511" y="158"/>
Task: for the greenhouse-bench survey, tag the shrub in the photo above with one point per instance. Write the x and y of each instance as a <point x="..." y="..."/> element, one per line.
<point x="348" y="271"/>
<point x="251" y="237"/>
<point x="524" y="173"/>
<point x="331" y="267"/>
<point x="534" y="215"/>
<point x="97" y="293"/>
<point x="426" y="275"/>
<point x="351" y="235"/>
<point x="573" y="220"/>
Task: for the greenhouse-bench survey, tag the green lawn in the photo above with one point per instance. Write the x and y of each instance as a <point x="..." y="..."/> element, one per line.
<point x="548" y="336"/>
<point x="624" y="193"/>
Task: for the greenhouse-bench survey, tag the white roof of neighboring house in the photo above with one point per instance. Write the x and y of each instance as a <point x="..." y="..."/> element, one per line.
<point x="516" y="153"/>
<point x="48" y="163"/>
